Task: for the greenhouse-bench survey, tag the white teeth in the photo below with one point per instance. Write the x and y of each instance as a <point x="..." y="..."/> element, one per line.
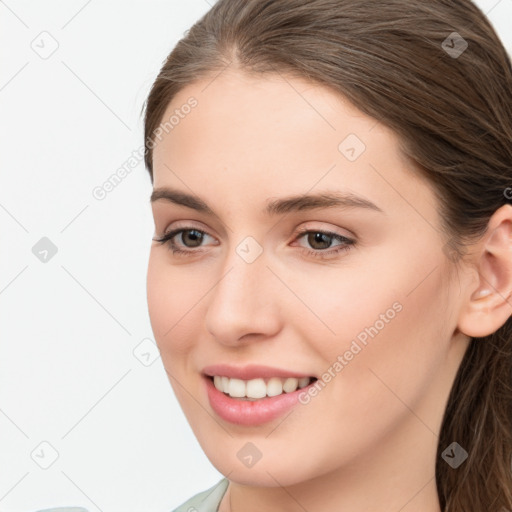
<point x="303" y="382"/>
<point x="225" y="384"/>
<point x="258" y="388"/>
<point x="290" y="384"/>
<point x="236" y="388"/>
<point x="274" y="386"/>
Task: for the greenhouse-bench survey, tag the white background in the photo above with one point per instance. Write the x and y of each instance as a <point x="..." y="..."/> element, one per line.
<point x="72" y="326"/>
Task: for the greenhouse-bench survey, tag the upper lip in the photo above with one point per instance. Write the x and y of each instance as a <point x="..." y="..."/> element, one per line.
<point x="249" y="372"/>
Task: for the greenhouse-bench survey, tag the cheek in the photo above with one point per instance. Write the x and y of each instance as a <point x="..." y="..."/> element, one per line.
<point x="171" y="298"/>
<point x="156" y="296"/>
<point x="391" y="321"/>
<point x="173" y="308"/>
<point x="177" y="297"/>
<point x="339" y="305"/>
<point x="403" y="337"/>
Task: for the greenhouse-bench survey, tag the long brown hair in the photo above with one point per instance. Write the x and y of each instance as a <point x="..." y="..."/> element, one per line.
<point x="436" y="73"/>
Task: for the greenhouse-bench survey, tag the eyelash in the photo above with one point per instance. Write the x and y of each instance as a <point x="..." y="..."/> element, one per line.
<point x="167" y="239"/>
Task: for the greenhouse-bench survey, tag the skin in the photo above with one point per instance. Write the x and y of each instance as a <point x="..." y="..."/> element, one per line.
<point x="368" y="440"/>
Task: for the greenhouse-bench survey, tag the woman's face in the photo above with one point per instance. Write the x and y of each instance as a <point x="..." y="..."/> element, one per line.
<point x="371" y="304"/>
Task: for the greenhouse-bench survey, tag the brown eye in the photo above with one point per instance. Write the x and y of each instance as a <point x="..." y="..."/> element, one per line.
<point x="194" y="236"/>
<point x="188" y="240"/>
<point x="319" y="240"/>
<point x="320" y="243"/>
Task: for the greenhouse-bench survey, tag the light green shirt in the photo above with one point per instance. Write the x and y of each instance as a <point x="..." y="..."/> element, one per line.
<point x="205" y="501"/>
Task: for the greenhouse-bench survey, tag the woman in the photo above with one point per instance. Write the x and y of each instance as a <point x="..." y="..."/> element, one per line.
<point x="331" y="275"/>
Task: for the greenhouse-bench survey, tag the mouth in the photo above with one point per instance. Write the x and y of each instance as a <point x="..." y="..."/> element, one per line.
<point x="260" y="400"/>
<point x="258" y="388"/>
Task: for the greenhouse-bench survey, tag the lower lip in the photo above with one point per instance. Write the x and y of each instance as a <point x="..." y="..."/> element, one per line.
<point x="251" y="412"/>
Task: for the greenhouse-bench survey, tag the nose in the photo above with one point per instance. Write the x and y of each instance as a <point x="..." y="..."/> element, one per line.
<point x="244" y="303"/>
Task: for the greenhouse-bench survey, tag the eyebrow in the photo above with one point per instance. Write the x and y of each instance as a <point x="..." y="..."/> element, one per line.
<point x="273" y="206"/>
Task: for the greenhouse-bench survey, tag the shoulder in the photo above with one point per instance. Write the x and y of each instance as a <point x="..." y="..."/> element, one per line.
<point x="63" y="509"/>
<point x="205" y="501"/>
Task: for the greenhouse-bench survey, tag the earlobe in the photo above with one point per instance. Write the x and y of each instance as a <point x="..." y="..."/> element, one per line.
<point x="489" y="304"/>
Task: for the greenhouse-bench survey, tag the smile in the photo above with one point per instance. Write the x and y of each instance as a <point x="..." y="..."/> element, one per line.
<point x="252" y="411"/>
<point x="255" y="389"/>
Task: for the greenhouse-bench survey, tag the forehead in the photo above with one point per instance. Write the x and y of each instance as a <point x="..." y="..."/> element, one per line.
<point x="266" y="134"/>
<point x="265" y="107"/>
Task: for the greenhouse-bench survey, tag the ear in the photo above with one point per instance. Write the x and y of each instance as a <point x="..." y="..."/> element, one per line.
<point x="489" y="302"/>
